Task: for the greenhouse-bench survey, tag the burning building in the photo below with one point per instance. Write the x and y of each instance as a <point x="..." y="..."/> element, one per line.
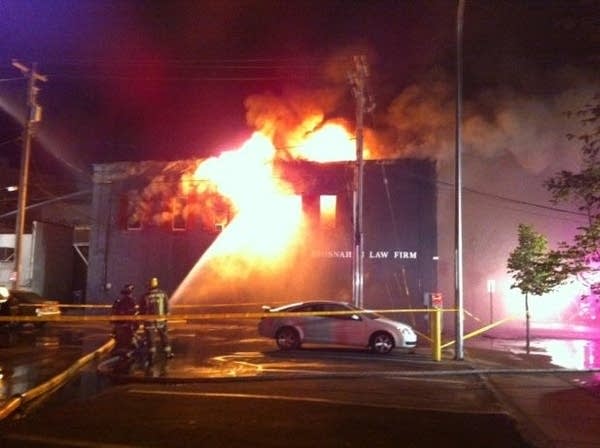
<point x="263" y="229"/>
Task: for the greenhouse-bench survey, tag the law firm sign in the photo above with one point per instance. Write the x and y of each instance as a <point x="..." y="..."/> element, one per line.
<point x="371" y="254"/>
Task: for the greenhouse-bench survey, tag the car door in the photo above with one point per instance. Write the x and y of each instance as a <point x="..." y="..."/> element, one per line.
<point x="315" y="328"/>
<point x="344" y="329"/>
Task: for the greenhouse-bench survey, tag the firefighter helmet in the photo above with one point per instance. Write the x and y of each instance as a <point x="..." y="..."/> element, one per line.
<point x="127" y="289"/>
<point x="153" y="282"/>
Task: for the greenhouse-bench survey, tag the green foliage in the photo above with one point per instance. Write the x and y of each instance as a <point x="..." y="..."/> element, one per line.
<point x="590" y="116"/>
<point x="535" y="269"/>
<point x="583" y="190"/>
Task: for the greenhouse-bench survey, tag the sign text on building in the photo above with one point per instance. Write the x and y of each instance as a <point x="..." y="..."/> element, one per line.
<point x="371" y="254"/>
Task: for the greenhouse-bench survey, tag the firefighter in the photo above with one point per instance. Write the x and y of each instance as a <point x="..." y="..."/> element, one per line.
<point x="155" y="302"/>
<point x="124" y="330"/>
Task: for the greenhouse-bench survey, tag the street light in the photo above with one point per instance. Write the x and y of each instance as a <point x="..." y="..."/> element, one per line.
<point x="491" y="287"/>
<point x="459" y="302"/>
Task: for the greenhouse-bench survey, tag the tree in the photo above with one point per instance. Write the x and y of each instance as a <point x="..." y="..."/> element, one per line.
<point x="535" y="269"/>
<point x="583" y="189"/>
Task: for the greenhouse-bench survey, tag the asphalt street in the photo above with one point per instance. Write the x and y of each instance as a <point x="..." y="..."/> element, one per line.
<point x="228" y="387"/>
<point x="269" y="413"/>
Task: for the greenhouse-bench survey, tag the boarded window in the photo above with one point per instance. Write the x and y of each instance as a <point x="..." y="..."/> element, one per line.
<point x="179" y="214"/>
<point x="134" y="215"/>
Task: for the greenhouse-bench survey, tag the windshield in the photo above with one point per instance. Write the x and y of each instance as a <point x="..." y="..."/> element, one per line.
<point x="365" y="313"/>
<point x="285" y="307"/>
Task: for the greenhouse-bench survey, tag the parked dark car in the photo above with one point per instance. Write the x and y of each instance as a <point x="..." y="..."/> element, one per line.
<point x="26" y="303"/>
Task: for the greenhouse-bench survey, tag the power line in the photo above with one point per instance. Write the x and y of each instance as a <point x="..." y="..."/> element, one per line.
<point x="531" y="204"/>
<point x="218" y="70"/>
<point x="10" y="79"/>
<point x="422" y="179"/>
<point x="254" y="62"/>
<point x="514" y="201"/>
<point x="177" y="78"/>
<point x="8" y="142"/>
<point x="50" y="201"/>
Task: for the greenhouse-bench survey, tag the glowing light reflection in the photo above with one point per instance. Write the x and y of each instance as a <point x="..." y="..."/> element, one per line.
<point x="556" y="305"/>
<point x="572" y="354"/>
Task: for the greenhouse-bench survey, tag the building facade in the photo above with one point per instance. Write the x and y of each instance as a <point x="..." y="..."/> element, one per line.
<point x="150" y="222"/>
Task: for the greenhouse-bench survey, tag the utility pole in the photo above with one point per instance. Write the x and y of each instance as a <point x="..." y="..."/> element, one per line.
<point x="358" y="80"/>
<point x="34" y="116"/>
<point x="458" y="237"/>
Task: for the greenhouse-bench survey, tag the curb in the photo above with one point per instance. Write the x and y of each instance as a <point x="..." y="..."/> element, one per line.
<point x="530" y="431"/>
<point x="19" y="400"/>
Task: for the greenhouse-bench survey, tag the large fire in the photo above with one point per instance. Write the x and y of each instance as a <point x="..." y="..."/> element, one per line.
<point x="331" y="143"/>
<point x="268" y="214"/>
<point x="245" y="176"/>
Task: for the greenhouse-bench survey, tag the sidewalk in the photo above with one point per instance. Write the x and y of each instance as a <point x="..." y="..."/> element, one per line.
<point x="553" y="407"/>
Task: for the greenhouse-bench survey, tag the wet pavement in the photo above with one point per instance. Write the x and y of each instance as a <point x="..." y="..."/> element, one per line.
<point x="31" y="357"/>
<point x="545" y="390"/>
<point x="552" y="392"/>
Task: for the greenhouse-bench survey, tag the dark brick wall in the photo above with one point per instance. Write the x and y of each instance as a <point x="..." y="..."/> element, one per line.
<point x="399" y="224"/>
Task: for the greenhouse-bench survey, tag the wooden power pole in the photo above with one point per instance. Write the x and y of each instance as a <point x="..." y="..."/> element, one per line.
<point x="358" y="80"/>
<point x="34" y="116"/>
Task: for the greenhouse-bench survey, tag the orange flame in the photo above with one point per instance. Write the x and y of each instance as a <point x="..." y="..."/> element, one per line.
<point x="268" y="215"/>
<point x="245" y="175"/>
<point x="330" y="143"/>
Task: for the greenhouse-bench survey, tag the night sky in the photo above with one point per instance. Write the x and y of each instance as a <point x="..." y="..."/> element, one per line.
<point x="142" y="80"/>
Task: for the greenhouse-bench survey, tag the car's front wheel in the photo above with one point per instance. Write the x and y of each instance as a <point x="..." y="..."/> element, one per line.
<point x="382" y="343"/>
<point x="287" y="338"/>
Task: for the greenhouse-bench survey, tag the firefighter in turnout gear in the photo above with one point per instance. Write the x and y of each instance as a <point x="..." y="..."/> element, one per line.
<point x="155" y="302"/>
<point x="124" y="330"/>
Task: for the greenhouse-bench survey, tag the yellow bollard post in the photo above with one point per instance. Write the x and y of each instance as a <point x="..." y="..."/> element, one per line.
<point x="436" y="334"/>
